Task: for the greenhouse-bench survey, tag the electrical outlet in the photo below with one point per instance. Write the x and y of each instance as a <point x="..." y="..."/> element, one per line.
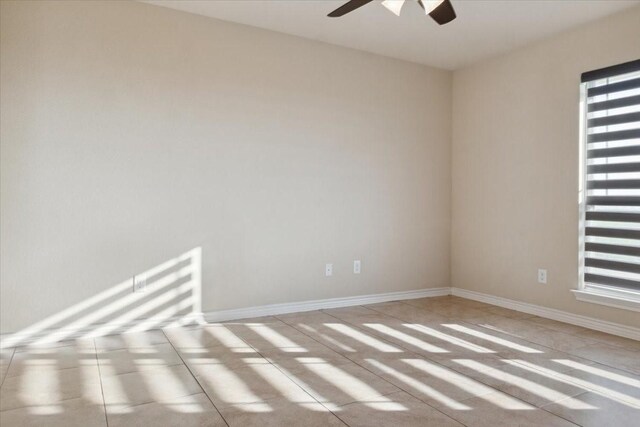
<point x="139" y="284"/>
<point x="542" y="276"/>
<point x="328" y="270"/>
<point x="356" y="266"/>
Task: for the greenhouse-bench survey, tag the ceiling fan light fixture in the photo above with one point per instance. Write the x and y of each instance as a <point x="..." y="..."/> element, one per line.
<point x="394" y="6"/>
<point x="440" y="11"/>
<point x="430" y="5"/>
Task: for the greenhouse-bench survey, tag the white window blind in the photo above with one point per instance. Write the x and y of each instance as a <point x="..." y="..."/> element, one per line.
<point x="611" y="214"/>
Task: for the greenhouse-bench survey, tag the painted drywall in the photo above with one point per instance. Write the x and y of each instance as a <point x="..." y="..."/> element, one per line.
<point x="132" y="134"/>
<point x="515" y="166"/>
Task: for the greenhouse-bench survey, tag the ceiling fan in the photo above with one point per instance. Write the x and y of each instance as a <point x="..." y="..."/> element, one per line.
<point x="440" y="10"/>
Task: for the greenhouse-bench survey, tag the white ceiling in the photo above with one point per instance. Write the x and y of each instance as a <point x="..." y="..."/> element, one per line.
<point x="483" y="28"/>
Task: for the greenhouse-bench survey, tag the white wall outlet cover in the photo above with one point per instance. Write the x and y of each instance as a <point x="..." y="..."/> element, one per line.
<point x="328" y="270"/>
<point x="542" y="276"/>
<point x="356" y="266"/>
<point x="139" y="284"/>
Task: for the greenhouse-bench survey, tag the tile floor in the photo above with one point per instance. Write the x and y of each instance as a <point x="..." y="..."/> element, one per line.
<point x="441" y="361"/>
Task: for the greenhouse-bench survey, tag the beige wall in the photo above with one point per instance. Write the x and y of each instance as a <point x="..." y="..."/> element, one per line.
<point x="515" y="166"/>
<point x="132" y="133"/>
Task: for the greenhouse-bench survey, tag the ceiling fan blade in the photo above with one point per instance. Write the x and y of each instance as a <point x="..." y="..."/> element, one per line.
<point x="429" y="5"/>
<point x="443" y="13"/>
<point x="394" y="6"/>
<point x="348" y="7"/>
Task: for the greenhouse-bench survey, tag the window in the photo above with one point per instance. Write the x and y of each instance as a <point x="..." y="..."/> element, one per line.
<point x="610" y="191"/>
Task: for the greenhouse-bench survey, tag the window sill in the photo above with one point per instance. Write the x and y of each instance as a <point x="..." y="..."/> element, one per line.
<point x="624" y="300"/>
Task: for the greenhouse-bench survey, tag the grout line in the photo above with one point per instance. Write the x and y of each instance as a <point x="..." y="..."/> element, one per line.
<point x="365" y="368"/>
<point x="562" y="400"/>
<point x="104" y="402"/>
<point x="194" y="377"/>
<point x="57" y="402"/>
<point x="291" y="379"/>
<point x="560" y="416"/>
<point x="6" y="374"/>
<point x="481" y="381"/>
<point x="446" y="367"/>
<point x="58" y="369"/>
<point x="372" y="401"/>
<point x="524" y="338"/>
<point x="382" y="378"/>
<point x="161" y="402"/>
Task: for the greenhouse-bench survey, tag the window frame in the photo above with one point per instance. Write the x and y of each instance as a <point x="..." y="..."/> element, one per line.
<point x="604" y="295"/>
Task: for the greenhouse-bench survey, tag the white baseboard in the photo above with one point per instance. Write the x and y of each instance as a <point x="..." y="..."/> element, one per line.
<point x="19" y="339"/>
<point x="295" y="307"/>
<point x="550" y="313"/>
<point x="61" y="334"/>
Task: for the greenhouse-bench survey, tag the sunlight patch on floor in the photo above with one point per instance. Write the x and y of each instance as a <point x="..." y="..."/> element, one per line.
<point x="420" y="386"/>
<point x="431" y="348"/>
<point x="448" y="338"/>
<point x="596" y="388"/>
<point x="363" y="338"/>
<point x="492" y="338"/>
<point x="600" y="372"/>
